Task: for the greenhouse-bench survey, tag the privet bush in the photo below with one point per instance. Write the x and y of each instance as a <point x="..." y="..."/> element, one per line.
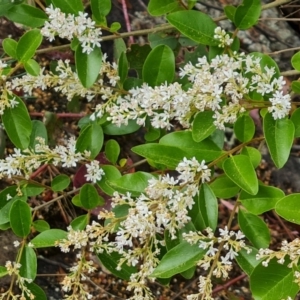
<point x="164" y="222"/>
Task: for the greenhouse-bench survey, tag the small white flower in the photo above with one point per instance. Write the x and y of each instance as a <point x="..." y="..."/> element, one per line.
<point x="94" y="171"/>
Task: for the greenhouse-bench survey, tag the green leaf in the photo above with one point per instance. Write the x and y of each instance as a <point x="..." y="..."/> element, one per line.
<point x="112" y="151"/>
<point x="279" y="136"/>
<point x="111" y="174"/>
<point x="205" y="150"/>
<point x="169" y="156"/>
<point x="223" y="187"/>
<point x="32" y="67"/>
<point x="10" y="47"/>
<point x="135" y="183"/>
<point x="110" y="262"/>
<point x="36" y="291"/>
<point x="122" y="67"/>
<point x="274" y="282"/>
<point x="203" y="125"/>
<point x="100" y="8"/>
<point x="119" y="48"/>
<point x="288" y="208"/>
<point x="137" y="56"/>
<point x="32" y="189"/>
<point x="247" y="261"/>
<point x="3" y="270"/>
<point x="208" y="205"/>
<point x="263" y="201"/>
<point x="254" y="228"/>
<point x="247" y="14"/>
<point x="28" y="263"/>
<point x="295" y="86"/>
<point x="89" y="196"/>
<point x="60" y="183"/>
<point x="196" y="25"/>
<point x="80" y="222"/>
<point x="48" y="238"/>
<point x="240" y="170"/>
<point x="88" y="65"/>
<point x="76" y="201"/>
<point x="296" y="120"/>
<point x="38" y="130"/>
<point x="40" y="225"/>
<point x="162" y="38"/>
<point x="69" y="6"/>
<point x="295" y="61"/>
<point x="253" y="154"/>
<point x="27" y="15"/>
<point x="229" y="11"/>
<point x="28" y="44"/>
<point x="112" y="129"/>
<point x="158" y="8"/>
<point x="179" y="259"/>
<point x="159" y="66"/>
<point x="244" y="128"/>
<point x="20" y="218"/>
<point x="17" y="124"/>
<point x="265" y="61"/>
<point x="90" y="139"/>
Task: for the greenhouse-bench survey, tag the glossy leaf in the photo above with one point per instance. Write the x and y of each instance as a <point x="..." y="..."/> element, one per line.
<point x="279" y="136"/>
<point x="208" y="205"/>
<point x="203" y="125"/>
<point x="244" y="128"/>
<point x="295" y="61"/>
<point x="32" y="67"/>
<point x="137" y="56"/>
<point x="89" y="196"/>
<point x="100" y="8"/>
<point x="123" y="67"/>
<point x="205" y="150"/>
<point x="40" y="225"/>
<point x="110" y="262"/>
<point x="48" y="238"/>
<point x="223" y="187"/>
<point x="90" y="139"/>
<point x="28" y="263"/>
<point x="247" y="14"/>
<point x="162" y="38"/>
<point x="69" y="6"/>
<point x="80" y="222"/>
<point x="111" y="174"/>
<point x="32" y="189"/>
<point x="112" y="129"/>
<point x="27" y="15"/>
<point x="36" y="291"/>
<point x="159" y="66"/>
<point x="247" y="261"/>
<point x="134" y="183"/>
<point x="229" y="11"/>
<point x="38" y="131"/>
<point x="20" y="218"/>
<point x="295" y="85"/>
<point x="3" y="271"/>
<point x="88" y="65"/>
<point x="17" y="124"/>
<point x="179" y="259"/>
<point x="288" y="208"/>
<point x="240" y="170"/>
<point x="28" y="44"/>
<point x="296" y="120"/>
<point x="274" y="282"/>
<point x="112" y="151"/>
<point x="253" y="154"/>
<point x="196" y="25"/>
<point x="169" y="156"/>
<point x="263" y="201"/>
<point x="158" y="8"/>
<point x="255" y="229"/>
<point x="60" y="183"/>
<point x="10" y="47"/>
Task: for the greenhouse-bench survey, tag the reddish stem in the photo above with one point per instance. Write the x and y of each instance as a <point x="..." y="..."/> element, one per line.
<point x="228" y="284"/>
<point x="127" y="21"/>
<point x="38" y="171"/>
<point x="59" y="115"/>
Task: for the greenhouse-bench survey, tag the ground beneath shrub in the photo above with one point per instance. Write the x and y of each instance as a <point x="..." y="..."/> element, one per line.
<point x="268" y="36"/>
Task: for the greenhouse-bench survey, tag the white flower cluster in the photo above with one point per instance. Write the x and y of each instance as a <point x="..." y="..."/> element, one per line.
<point x="223" y="37"/>
<point x="229" y="241"/>
<point x="69" y="26"/>
<point x="27" y="161"/>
